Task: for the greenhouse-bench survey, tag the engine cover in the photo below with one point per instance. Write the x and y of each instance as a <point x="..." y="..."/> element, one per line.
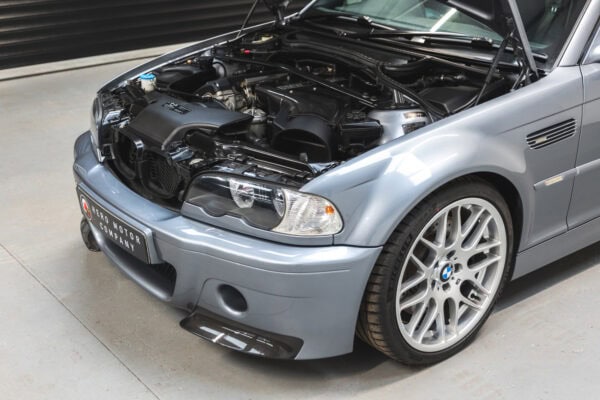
<point x="167" y="119"/>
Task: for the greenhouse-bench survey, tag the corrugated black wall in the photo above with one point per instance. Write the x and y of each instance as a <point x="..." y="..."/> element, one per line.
<point x="38" y="31"/>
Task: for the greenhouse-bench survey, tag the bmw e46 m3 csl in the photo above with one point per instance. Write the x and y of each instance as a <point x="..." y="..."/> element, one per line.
<point x="372" y="167"/>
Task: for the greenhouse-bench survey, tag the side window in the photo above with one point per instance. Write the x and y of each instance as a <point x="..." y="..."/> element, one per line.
<point x="593" y="55"/>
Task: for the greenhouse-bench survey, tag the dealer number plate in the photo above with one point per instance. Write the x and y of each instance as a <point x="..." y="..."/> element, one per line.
<point x="115" y="229"/>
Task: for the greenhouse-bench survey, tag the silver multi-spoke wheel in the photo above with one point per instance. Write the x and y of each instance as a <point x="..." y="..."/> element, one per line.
<point x="451" y="275"/>
<point x="440" y="273"/>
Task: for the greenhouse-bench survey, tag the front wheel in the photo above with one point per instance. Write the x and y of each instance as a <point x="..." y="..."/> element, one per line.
<point x="439" y="275"/>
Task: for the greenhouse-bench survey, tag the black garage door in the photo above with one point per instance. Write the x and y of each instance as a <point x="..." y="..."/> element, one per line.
<point x="38" y="31"/>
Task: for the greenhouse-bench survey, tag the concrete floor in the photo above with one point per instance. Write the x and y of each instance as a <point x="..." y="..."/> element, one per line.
<point x="73" y="327"/>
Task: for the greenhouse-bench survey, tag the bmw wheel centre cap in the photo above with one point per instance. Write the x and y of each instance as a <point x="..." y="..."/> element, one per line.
<point x="446" y="273"/>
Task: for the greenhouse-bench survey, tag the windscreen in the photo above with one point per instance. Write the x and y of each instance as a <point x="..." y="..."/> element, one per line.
<point x="548" y="22"/>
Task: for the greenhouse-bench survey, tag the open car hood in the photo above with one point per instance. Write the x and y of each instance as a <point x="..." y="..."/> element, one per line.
<point x="500" y="15"/>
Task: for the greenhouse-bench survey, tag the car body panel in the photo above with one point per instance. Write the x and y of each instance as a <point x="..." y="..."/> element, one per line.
<point x="308" y="292"/>
<point x="585" y="205"/>
<point x="557" y="248"/>
<point x="313" y="290"/>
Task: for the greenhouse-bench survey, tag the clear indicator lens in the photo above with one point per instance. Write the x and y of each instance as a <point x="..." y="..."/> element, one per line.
<point x="309" y="215"/>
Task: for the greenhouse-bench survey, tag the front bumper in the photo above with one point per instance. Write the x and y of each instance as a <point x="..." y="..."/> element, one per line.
<point x="310" y="295"/>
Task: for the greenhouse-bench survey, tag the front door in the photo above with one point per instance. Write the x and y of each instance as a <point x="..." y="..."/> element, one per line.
<point x="585" y="203"/>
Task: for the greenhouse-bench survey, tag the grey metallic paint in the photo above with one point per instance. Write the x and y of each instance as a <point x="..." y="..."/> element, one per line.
<point x="585" y="205"/>
<point x="313" y="293"/>
<point x="393" y="178"/>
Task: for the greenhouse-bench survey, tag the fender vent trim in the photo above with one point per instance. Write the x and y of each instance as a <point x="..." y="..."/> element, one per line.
<point x="551" y="135"/>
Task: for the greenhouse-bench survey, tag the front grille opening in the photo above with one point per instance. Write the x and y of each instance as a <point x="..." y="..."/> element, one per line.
<point x="160" y="177"/>
<point x="146" y="171"/>
<point x="126" y="156"/>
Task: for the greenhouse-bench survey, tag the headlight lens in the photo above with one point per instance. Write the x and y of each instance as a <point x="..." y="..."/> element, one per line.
<point x="95" y="117"/>
<point x="95" y="125"/>
<point x="265" y="206"/>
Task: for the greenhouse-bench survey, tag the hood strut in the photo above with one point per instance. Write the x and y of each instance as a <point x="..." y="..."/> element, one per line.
<point x="504" y="17"/>
<point x="247" y="19"/>
<point x="277" y="7"/>
<point x="520" y="50"/>
<point x="517" y="28"/>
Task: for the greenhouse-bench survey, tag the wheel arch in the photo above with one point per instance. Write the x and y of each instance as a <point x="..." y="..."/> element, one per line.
<point x="511" y="195"/>
<point x="507" y="189"/>
<point x="504" y="186"/>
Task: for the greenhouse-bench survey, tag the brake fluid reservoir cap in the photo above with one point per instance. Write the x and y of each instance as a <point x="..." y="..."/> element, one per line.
<point x="148" y="82"/>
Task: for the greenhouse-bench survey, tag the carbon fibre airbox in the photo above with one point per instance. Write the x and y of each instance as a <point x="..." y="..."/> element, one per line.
<point x="167" y="119"/>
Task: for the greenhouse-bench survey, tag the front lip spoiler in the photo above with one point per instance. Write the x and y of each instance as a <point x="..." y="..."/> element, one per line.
<point x="239" y="337"/>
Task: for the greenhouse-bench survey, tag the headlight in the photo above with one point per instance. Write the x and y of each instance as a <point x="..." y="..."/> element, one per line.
<point x="95" y="117"/>
<point x="95" y="125"/>
<point x="102" y="116"/>
<point x="265" y="206"/>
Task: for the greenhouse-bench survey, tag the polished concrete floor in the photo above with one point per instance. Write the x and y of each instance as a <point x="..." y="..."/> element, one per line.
<point x="73" y="327"/>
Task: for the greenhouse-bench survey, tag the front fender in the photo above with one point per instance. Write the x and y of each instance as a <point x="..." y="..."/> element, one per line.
<point x="375" y="193"/>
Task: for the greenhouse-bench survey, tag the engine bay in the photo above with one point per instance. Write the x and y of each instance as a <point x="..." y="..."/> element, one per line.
<point x="282" y="105"/>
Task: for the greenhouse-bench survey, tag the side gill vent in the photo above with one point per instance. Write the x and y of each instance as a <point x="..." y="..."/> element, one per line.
<point x="552" y="134"/>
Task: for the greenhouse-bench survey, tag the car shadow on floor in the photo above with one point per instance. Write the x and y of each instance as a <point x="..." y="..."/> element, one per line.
<point x="364" y="358"/>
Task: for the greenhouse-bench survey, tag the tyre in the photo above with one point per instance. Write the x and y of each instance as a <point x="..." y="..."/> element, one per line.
<point x="439" y="275"/>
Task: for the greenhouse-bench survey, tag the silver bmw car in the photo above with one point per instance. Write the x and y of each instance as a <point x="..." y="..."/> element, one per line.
<point x="376" y="169"/>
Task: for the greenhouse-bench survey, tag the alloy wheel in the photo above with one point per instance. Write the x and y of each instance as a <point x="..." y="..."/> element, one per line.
<point x="451" y="275"/>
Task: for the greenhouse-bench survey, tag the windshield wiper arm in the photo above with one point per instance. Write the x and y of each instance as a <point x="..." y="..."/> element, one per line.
<point x="375" y="30"/>
<point x="423" y="37"/>
<point x="404" y="33"/>
<point x="426" y="36"/>
<point x="361" y="21"/>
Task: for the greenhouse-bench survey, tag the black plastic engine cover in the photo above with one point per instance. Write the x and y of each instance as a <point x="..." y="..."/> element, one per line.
<point x="186" y="77"/>
<point x="304" y="121"/>
<point x="306" y="134"/>
<point x="302" y="99"/>
<point x="167" y="119"/>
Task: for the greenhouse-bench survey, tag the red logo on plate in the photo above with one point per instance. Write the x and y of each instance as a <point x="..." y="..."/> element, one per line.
<point x="86" y="208"/>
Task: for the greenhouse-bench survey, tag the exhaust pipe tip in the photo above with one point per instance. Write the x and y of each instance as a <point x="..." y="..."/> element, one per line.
<point x="88" y="236"/>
